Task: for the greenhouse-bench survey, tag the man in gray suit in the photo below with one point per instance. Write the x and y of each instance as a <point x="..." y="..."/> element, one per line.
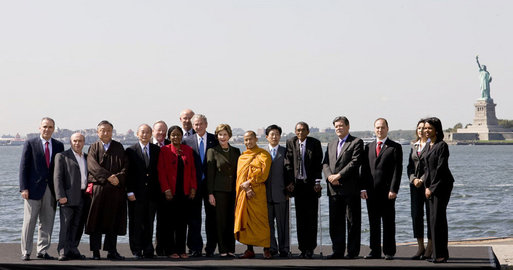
<point x="277" y="199"/>
<point x="70" y="181"/>
<point x="341" y="167"/>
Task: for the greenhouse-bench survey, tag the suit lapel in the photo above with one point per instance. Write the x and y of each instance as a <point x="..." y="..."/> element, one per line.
<point x="346" y="145"/>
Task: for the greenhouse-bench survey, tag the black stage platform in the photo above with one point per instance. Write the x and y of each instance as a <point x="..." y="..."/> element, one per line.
<point x="461" y="258"/>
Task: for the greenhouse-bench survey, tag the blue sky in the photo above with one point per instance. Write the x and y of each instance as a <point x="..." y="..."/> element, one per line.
<point x="250" y="63"/>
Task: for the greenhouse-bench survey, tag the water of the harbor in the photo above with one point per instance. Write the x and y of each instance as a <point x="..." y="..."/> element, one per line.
<point x="481" y="204"/>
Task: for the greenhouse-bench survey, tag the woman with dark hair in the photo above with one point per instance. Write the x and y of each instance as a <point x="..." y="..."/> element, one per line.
<point x="177" y="176"/>
<point x="415" y="170"/>
<point x="222" y="175"/>
<point x="439" y="184"/>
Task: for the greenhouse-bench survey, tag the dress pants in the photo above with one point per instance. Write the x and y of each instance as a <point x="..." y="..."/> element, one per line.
<point x="438" y="215"/>
<point x="380" y="208"/>
<point x="345" y="208"/>
<point x="109" y="244"/>
<point x="70" y="217"/>
<point x="225" y="209"/>
<point x="43" y="209"/>
<point x="194" y="239"/>
<point x="306" y="202"/>
<point x="418" y="201"/>
<point x="141" y="214"/>
<point x="210" y="222"/>
<point x="279" y="212"/>
<point x="175" y="225"/>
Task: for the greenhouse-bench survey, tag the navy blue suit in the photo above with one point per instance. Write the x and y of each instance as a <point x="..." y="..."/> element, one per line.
<point x="34" y="174"/>
<point x="194" y="240"/>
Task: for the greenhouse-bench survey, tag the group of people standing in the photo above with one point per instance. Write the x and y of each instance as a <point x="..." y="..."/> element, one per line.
<point x="171" y="174"/>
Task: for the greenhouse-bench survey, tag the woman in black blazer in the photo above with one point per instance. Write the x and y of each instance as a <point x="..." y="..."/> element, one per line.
<point x="439" y="184"/>
<point x="221" y="174"/>
<point x="415" y="170"/>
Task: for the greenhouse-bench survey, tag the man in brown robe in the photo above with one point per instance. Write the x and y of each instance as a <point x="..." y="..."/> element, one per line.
<point x="107" y="165"/>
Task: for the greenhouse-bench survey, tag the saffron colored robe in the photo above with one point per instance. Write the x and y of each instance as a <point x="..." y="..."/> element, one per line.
<point x="251" y="219"/>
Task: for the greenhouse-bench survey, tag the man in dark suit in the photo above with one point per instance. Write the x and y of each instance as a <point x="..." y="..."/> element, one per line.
<point x="143" y="191"/>
<point x="36" y="187"/>
<point x="341" y="168"/>
<point x="382" y="175"/>
<point x="159" y="139"/>
<point x="277" y="198"/>
<point x="303" y="163"/>
<point x="200" y="143"/>
<point x="70" y="181"/>
<point x="185" y="117"/>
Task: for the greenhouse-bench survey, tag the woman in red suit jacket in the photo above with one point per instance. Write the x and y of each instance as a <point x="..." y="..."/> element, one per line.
<point x="177" y="176"/>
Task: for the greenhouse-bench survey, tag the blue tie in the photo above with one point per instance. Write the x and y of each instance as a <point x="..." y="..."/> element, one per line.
<point x="273" y="153"/>
<point x="201" y="151"/>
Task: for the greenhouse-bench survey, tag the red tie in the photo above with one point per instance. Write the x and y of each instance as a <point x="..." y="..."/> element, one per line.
<point x="47" y="155"/>
<point x="378" y="149"/>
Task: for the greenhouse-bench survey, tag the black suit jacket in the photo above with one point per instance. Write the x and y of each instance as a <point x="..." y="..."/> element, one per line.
<point x="67" y="177"/>
<point x="312" y="159"/>
<point x="383" y="173"/>
<point x="276" y="181"/>
<point x="438" y="175"/>
<point x="34" y="174"/>
<point x="347" y="165"/>
<point x="201" y="167"/>
<point x="141" y="180"/>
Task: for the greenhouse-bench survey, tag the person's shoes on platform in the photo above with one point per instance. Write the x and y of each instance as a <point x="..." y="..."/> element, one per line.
<point x="149" y="255"/>
<point x="25" y="257"/>
<point x="267" y="254"/>
<point x="302" y="255"/>
<point x="138" y="255"/>
<point x="248" y="254"/>
<point x="196" y="254"/>
<point x="350" y="256"/>
<point x="44" y="256"/>
<point x="284" y="254"/>
<point x="335" y="256"/>
<point x="309" y="254"/>
<point x="184" y="256"/>
<point x="174" y="256"/>
<point x="389" y="257"/>
<point x="372" y="256"/>
<point x="209" y="254"/>
<point x="439" y="260"/>
<point x="62" y="258"/>
<point x="114" y="255"/>
<point x="78" y="257"/>
<point x="96" y="255"/>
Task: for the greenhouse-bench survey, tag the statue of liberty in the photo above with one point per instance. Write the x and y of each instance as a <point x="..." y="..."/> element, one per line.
<point x="486" y="79"/>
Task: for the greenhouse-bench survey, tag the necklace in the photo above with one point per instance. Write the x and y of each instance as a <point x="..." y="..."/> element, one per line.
<point x="226" y="150"/>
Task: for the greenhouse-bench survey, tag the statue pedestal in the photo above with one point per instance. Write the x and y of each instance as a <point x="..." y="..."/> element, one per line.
<point x="485" y="125"/>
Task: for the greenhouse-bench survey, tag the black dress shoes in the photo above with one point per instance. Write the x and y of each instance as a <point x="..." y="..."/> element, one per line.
<point x="335" y="256"/>
<point x="138" y="256"/>
<point x="62" y="258"/>
<point x="96" y="255"/>
<point x="209" y="254"/>
<point x="302" y="255"/>
<point x="372" y="256"/>
<point x="283" y="254"/>
<point x="309" y="254"/>
<point x="114" y="255"/>
<point x="196" y="254"/>
<point x="44" y="256"/>
<point x="389" y="257"/>
<point x="350" y="257"/>
<point x="25" y="257"/>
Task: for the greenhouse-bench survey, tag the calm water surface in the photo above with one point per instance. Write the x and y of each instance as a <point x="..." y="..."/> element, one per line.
<point x="481" y="204"/>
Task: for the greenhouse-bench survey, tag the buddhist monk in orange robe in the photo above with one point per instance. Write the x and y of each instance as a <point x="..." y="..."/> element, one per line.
<point x="251" y="219"/>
